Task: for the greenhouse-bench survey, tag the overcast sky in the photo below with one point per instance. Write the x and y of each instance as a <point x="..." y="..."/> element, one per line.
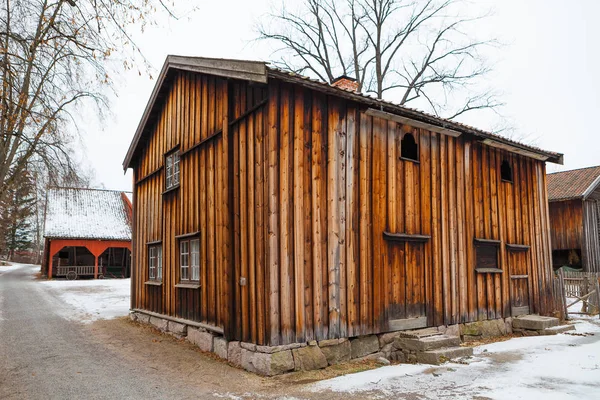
<point x="548" y="72"/>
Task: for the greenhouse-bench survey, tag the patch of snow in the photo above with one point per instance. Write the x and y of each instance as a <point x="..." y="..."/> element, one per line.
<point x="90" y="300"/>
<point x="565" y="366"/>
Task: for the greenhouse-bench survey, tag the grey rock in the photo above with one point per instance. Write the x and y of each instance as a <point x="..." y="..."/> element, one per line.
<point x="534" y="322"/>
<point x="267" y="364"/>
<point x="177" y="328"/>
<point x="440" y="356"/>
<point x="387" y="338"/>
<point x="309" y="358"/>
<point x="452" y="330"/>
<point x="273" y="349"/>
<point x="363" y="346"/>
<point x="383" y="361"/>
<point x="248" y="346"/>
<point x="220" y="347"/>
<point x="555" y="330"/>
<point x="234" y="353"/>
<point x="159" y="323"/>
<point x="338" y="353"/>
<point x="426" y="343"/>
<point x="202" y="339"/>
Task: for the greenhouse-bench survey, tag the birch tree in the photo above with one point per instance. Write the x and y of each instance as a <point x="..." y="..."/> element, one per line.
<point x="410" y="49"/>
<point x="57" y="56"/>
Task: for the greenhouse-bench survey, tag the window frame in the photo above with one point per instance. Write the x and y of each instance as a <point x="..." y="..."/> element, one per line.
<point x="155" y="262"/>
<point x="489" y="244"/>
<point x="192" y="259"/>
<point x="172" y="164"/>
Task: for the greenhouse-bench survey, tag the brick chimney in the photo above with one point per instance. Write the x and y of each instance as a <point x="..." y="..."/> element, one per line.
<point x="346" y="83"/>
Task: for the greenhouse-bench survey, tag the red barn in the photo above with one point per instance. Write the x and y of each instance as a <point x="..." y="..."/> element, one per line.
<point x="87" y="233"/>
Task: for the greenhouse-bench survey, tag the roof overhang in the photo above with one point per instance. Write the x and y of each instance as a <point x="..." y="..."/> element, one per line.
<point x="257" y="71"/>
<point x="254" y="71"/>
<point x="592" y="188"/>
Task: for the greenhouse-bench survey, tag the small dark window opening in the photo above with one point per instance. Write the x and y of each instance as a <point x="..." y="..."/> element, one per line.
<point x="486" y="256"/>
<point x="409" y="148"/>
<point x="506" y="171"/>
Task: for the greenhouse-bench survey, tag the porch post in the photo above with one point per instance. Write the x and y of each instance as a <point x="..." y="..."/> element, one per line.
<point x="95" y="266"/>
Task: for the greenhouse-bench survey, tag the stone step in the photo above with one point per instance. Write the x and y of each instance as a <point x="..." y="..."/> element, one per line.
<point x="440" y="356"/>
<point x="534" y="322"/>
<point x="419" y="333"/>
<point x="555" y="330"/>
<point x="426" y="343"/>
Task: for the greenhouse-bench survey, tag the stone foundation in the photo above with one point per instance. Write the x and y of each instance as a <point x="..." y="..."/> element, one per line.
<point x="275" y="360"/>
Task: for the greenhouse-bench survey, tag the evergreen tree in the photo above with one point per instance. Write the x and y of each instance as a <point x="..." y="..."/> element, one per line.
<point x="17" y="211"/>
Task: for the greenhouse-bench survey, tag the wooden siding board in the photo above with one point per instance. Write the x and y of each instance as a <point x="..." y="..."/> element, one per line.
<point x="297" y="202"/>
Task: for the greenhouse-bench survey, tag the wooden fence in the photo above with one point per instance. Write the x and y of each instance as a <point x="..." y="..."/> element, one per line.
<point x="572" y="288"/>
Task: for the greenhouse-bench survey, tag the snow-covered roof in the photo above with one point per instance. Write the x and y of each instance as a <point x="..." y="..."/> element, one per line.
<point x="87" y="214"/>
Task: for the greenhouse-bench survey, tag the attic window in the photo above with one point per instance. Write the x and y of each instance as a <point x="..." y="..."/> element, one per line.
<point x="172" y="170"/>
<point x="409" y="148"/>
<point x="506" y="171"/>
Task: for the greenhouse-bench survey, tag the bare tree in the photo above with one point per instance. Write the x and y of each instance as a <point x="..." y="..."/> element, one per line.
<point x="56" y="56"/>
<point x="417" y="49"/>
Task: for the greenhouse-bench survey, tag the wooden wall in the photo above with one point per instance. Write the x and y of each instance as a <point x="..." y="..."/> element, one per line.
<point x="591" y="236"/>
<point x="292" y="199"/>
<point x="566" y="224"/>
<point x="195" y="118"/>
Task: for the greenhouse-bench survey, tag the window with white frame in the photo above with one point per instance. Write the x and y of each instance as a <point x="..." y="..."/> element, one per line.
<point x="189" y="260"/>
<point x="172" y="170"/>
<point x="155" y="262"/>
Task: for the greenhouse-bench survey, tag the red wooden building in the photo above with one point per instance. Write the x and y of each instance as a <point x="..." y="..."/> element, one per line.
<point x="87" y="233"/>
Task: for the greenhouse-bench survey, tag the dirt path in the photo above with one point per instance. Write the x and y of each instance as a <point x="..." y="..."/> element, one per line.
<point x="43" y="356"/>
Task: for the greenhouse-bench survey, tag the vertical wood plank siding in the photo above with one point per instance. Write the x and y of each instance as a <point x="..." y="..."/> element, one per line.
<point x="291" y="202"/>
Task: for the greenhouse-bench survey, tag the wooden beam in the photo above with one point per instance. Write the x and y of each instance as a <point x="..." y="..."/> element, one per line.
<point x="417" y="124"/>
<point x="405" y="237"/>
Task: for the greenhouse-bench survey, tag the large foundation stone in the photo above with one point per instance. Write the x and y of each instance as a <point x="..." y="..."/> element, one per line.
<point x="220" y="347"/>
<point x="177" y="328"/>
<point x="309" y="358"/>
<point x="159" y="323"/>
<point x="363" y="346"/>
<point x="202" y="339"/>
<point x="337" y="353"/>
<point x="267" y="364"/>
<point x="234" y="353"/>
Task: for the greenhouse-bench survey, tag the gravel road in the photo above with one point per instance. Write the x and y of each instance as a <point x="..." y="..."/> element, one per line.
<point x="44" y="356"/>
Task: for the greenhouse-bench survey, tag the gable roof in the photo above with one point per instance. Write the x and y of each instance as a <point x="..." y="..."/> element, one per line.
<point x="574" y="184"/>
<point x="73" y="213"/>
<point x="257" y="71"/>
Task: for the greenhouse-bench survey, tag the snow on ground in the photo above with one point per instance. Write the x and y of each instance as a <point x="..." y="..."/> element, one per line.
<point x="565" y="366"/>
<point x="90" y="300"/>
<point x="13" y="266"/>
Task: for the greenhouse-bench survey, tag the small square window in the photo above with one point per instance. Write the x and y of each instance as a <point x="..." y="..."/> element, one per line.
<point x="487" y="256"/>
<point x="155" y="262"/>
<point x="172" y="170"/>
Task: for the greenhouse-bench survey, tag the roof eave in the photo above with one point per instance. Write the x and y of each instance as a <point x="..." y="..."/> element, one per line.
<point x="441" y="124"/>
<point x="255" y="71"/>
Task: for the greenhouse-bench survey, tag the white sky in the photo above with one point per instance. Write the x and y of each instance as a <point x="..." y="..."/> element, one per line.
<point x="548" y="72"/>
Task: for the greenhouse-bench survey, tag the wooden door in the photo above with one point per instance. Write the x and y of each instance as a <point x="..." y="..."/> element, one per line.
<point x="407" y="274"/>
<point x="519" y="281"/>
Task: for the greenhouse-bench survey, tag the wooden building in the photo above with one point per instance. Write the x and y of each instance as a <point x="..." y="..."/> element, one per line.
<point x="275" y="209"/>
<point x="87" y="233"/>
<point x="575" y="218"/>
